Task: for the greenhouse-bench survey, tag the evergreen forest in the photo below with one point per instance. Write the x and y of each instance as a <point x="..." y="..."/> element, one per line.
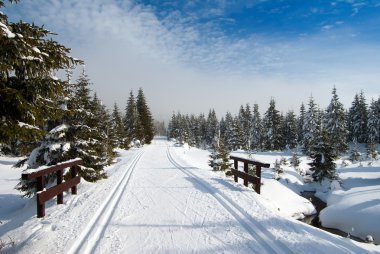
<point x="49" y="119"/>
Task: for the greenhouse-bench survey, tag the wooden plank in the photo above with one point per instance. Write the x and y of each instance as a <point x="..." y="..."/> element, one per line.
<point x="256" y="163"/>
<point x="44" y="196"/>
<point x="52" y="169"/>
<point x="245" y="176"/>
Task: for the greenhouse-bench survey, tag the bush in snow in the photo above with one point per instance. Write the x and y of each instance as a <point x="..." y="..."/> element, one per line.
<point x="295" y="160"/>
<point x="283" y="161"/>
<point x="278" y="170"/>
<point x="355" y="154"/>
<point x="372" y="153"/>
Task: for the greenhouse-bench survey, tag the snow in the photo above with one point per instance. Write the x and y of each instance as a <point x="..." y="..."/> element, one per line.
<point x="355" y="208"/>
<point x="163" y="198"/>
<point x="6" y="31"/>
<point x="22" y="125"/>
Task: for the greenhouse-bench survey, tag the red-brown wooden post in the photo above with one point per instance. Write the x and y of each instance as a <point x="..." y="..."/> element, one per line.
<point x="40" y="205"/>
<point x="74" y="172"/>
<point x="236" y="167"/>
<point x="258" y="174"/>
<point x="246" y="171"/>
<point x="59" y="181"/>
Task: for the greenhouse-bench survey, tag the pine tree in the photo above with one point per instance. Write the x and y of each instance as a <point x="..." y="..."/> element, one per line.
<point x="290" y="130"/>
<point x="257" y="129"/>
<point x="104" y="146"/>
<point x="301" y="123"/>
<point x="311" y="128"/>
<point x="132" y="124"/>
<point x="117" y="128"/>
<point x="87" y="133"/>
<point x="30" y="96"/>
<point x="373" y="124"/>
<point x="358" y="118"/>
<point x="272" y="128"/>
<point x="228" y="131"/>
<point x="202" y="123"/>
<point x="212" y="126"/>
<point x="323" y="165"/>
<point x="245" y="119"/>
<point x="335" y="125"/>
<point x="237" y="140"/>
<point x="145" y="116"/>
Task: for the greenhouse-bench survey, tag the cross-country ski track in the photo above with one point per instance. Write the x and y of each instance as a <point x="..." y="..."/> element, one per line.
<point x="156" y="201"/>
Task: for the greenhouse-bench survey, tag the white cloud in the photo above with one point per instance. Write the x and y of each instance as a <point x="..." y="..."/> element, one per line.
<point x="187" y="66"/>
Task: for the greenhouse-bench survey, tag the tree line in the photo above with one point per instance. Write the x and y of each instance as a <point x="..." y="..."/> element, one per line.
<point x="322" y="134"/>
<point x="50" y="119"/>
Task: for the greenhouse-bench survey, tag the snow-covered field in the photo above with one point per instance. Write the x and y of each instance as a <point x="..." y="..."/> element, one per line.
<point x="165" y="199"/>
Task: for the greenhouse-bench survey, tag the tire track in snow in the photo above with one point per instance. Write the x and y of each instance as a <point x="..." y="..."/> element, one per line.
<point x="88" y="240"/>
<point x="257" y="231"/>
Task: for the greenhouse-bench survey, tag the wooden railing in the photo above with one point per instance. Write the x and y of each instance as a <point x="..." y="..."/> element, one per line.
<point x="254" y="179"/>
<point x="45" y="195"/>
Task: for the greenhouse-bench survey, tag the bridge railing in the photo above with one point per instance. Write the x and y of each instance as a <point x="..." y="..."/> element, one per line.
<point x="254" y="179"/>
<point x="44" y="195"/>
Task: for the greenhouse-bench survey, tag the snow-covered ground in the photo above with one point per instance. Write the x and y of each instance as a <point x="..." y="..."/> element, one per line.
<point x="165" y="199"/>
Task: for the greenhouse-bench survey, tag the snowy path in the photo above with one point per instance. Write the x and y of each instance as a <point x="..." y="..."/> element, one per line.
<point x="165" y="207"/>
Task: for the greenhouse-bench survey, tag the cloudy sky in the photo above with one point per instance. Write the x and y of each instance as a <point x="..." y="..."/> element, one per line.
<point x="193" y="55"/>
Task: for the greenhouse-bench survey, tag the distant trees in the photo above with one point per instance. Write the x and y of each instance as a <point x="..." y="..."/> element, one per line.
<point x="321" y="134"/>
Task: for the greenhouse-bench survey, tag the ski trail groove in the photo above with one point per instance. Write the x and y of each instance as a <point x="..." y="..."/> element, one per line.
<point x="257" y="231"/>
<point x="88" y="239"/>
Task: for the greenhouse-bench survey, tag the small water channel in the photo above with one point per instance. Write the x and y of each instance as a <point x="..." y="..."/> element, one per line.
<point x="313" y="220"/>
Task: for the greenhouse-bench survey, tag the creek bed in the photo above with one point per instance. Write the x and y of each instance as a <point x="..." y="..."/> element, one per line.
<point x="313" y="219"/>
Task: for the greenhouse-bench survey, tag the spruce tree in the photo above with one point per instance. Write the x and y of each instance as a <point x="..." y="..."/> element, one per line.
<point x="104" y="146"/>
<point x="335" y="125"/>
<point x="132" y="124"/>
<point x="311" y="128"/>
<point x="30" y="95"/>
<point x="245" y="119"/>
<point x="228" y="131"/>
<point x="272" y="127"/>
<point x="256" y="129"/>
<point x="373" y="124"/>
<point x="290" y="130"/>
<point x="145" y="116"/>
<point x="87" y="133"/>
<point x="237" y="140"/>
<point x="300" y="124"/>
<point x="358" y="117"/>
<point x="212" y="127"/>
<point x="117" y="128"/>
<point x="323" y="165"/>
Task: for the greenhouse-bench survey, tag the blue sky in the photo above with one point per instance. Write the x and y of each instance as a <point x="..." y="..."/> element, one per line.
<point x="190" y="56"/>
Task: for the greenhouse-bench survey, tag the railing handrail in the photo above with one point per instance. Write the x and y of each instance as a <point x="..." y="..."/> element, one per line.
<point x="34" y="173"/>
<point x="250" y="161"/>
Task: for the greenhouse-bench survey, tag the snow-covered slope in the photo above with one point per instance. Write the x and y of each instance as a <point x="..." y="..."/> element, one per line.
<point x="160" y="199"/>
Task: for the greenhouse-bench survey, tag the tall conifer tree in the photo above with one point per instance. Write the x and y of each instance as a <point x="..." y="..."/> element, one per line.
<point x="30" y="95"/>
<point x="335" y="125"/>
<point x="145" y="116"/>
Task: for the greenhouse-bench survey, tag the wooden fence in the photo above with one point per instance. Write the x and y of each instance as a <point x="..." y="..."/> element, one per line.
<point x="45" y="195"/>
<point x="254" y="179"/>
